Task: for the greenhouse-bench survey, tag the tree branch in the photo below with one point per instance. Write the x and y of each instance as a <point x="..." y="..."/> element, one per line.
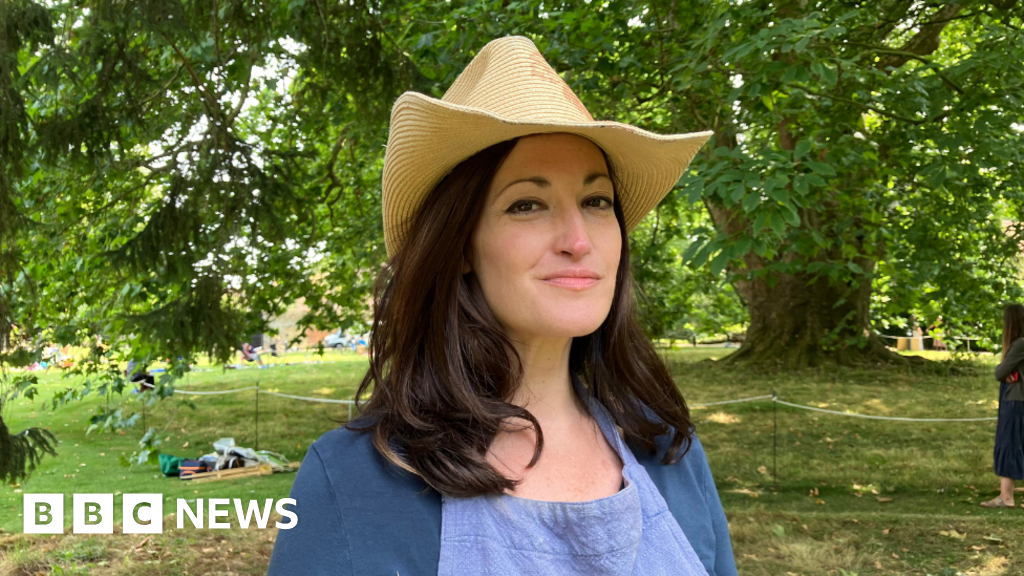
<point x="912" y="56"/>
<point x="874" y="109"/>
<point x="200" y="85"/>
<point x="216" y="34"/>
<point x="925" y="41"/>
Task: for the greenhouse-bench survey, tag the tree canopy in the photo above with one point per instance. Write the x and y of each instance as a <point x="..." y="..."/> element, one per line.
<point x="175" y="173"/>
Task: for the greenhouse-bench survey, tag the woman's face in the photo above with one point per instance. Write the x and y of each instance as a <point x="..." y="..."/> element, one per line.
<point x="546" y="248"/>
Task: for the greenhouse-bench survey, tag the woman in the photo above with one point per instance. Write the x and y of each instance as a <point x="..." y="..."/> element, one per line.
<point x="1009" y="450"/>
<point x="520" y="422"/>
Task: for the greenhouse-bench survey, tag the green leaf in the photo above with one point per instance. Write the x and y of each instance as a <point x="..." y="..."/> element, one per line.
<point x="751" y="202"/>
<point x="779" y="195"/>
<point x="737" y="192"/>
<point x="691" y="251"/>
<point x="694" y="191"/>
<point x="767" y="101"/>
<point x="800" y="184"/>
<point x="702" y="255"/>
<point x="776" y="223"/>
<point x="802" y="147"/>
<point x="739" y="51"/>
<point x="820" y="167"/>
<point x="828" y="75"/>
<point x="719" y="262"/>
<point x="742" y="247"/>
<point x="733" y="175"/>
<point x="790" y="214"/>
<point x="424" y="41"/>
<point x="760" y="221"/>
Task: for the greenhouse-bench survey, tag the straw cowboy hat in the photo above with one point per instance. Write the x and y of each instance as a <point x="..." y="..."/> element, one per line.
<point x="508" y="91"/>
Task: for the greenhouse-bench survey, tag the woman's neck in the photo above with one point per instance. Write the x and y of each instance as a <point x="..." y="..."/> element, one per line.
<point x="546" y="389"/>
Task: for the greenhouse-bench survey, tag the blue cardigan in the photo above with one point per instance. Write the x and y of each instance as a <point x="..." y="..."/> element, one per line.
<point x="360" y="515"/>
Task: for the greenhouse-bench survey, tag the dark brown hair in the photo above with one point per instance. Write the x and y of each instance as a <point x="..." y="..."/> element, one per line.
<point x="1013" y="325"/>
<point x="442" y="371"/>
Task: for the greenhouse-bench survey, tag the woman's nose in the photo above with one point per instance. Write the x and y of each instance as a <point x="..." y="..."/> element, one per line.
<point x="572" y="238"/>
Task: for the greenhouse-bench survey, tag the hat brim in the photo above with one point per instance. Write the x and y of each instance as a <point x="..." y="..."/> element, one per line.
<point x="430" y="137"/>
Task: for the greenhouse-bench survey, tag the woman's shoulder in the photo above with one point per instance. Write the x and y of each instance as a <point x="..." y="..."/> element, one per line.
<point x="692" y="463"/>
<point x="350" y="499"/>
<point x="356" y="470"/>
<point x="689" y="474"/>
<point x="343" y="442"/>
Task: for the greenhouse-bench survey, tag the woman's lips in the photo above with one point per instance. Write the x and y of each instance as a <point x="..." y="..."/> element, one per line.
<point x="572" y="282"/>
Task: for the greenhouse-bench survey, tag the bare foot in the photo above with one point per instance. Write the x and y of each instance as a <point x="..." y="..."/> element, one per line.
<point x="997" y="502"/>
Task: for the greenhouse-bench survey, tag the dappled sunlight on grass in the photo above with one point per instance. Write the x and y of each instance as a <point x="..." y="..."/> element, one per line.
<point x="876" y="406"/>
<point x="723" y="418"/>
<point x="993" y="567"/>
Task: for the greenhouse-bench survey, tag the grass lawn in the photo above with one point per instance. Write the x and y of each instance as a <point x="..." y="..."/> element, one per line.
<point x="852" y="495"/>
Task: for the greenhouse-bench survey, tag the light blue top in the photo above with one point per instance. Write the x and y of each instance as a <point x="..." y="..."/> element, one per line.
<point x="631" y="532"/>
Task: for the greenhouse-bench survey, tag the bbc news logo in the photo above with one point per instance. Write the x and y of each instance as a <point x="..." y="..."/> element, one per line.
<point x="144" y="513"/>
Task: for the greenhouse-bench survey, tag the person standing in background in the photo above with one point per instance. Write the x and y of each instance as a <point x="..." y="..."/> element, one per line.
<point x="1009" y="449"/>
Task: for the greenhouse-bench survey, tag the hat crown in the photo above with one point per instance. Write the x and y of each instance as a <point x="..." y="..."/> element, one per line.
<point x="511" y="79"/>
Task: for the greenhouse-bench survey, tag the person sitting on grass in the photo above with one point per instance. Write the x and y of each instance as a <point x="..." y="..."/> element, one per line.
<point x="251" y="354"/>
<point x="138" y="373"/>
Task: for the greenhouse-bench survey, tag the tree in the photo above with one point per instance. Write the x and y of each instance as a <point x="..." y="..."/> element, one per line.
<point x="859" y="143"/>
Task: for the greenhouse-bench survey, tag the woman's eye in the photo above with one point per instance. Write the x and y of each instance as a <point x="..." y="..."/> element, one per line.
<point x="598" y="202"/>
<point x="523" y="207"/>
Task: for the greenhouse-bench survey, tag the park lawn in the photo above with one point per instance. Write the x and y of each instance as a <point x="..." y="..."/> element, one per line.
<point x="853" y="495"/>
<point x="91" y="463"/>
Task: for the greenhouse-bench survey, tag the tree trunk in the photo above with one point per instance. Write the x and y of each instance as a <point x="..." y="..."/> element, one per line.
<point x="798" y="322"/>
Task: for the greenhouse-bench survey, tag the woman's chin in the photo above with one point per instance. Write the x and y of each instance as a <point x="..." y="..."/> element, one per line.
<point x="561" y="326"/>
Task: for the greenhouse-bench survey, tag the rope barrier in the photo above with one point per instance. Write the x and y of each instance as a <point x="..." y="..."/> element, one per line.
<point x="932" y="337"/>
<point x="308" y="399"/>
<point x="871" y="417"/>
<point x="259" y="391"/>
<point x="776" y="400"/>
<point x="212" y="392"/>
<point x="751" y="399"/>
<point x="771" y="397"/>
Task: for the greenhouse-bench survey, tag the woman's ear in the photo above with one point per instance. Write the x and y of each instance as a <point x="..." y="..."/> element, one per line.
<point x="467" y="257"/>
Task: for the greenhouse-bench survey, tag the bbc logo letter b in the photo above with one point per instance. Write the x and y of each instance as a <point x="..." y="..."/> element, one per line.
<point x="93" y="513"/>
<point x="43" y="514"/>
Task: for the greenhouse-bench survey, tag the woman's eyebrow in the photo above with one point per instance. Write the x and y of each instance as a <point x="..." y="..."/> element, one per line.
<point x="538" y="180"/>
<point x="544" y="183"/>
